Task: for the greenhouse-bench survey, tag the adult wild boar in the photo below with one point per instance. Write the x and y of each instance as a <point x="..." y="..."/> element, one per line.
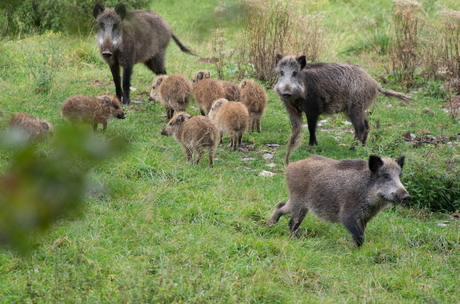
<point x="350" y="192"/>
<point x="326" y="88"/>
<point x="129" y="37"/>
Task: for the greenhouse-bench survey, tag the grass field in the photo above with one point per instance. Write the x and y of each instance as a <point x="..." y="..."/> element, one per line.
<point x="156" y="229"/>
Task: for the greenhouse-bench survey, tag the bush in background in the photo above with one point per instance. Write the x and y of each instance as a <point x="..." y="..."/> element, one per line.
<point x="26" y="17"/>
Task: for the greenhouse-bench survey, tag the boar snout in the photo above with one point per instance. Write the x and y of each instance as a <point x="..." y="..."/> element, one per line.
<point x="405" y="198"/>
<point x="163" y="132"/>
<point x="121" y="116"/>
<point x="107" y="54"/>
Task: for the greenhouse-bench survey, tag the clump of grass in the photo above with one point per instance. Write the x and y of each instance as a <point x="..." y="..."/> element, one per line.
<point x="42" y="61"/>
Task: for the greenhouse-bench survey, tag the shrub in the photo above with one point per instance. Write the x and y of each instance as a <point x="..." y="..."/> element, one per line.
<point x="406" y="19"/>
<point x="25" y="17"/>
<point x="433" y="183"/>
<point x="273" y="27"/>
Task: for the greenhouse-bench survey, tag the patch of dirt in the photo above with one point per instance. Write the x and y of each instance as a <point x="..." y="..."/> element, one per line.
<point x="208" y="60"/>
<point x="425" y="140"/>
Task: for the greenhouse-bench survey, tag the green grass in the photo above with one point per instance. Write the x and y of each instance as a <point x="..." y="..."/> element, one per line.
<point x="155" y="229"/>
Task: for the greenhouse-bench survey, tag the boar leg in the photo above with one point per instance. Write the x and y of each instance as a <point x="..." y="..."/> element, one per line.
<point x="127" y="72"/>
<point x="156" y="64"/>
<point x="199" y="154"/>
<point x="258" y="123"/>
<point x="356" y="229"/>
<point x="211" y="157"/>
<point x="115" y="69"/>
<point x="188" y="153"/>
<point x="240" y="138"/>
<point x="298" y="213"/>
<point x="297" y="217"/>
<point x="360" y="124"/>
<point x="296" y="119"/>
<point x="312" y="120"/>
<point x="281" y="209"/>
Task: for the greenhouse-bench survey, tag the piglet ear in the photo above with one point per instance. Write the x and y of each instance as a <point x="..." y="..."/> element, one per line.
<point x="400" y="161"/>
<point x="278" y="58"/>
<point x="375" y="163"/>
<point x="97" y="10"/>
<point x="302" y="60"/>
<point x="120" y="9"/>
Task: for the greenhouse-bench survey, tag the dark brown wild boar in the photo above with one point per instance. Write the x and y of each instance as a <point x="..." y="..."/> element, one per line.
<point x="32" y="127"/>
<point x="254" y="97"/>
<point x="194" y="134"/>
<point x="326" y="88"/>
<point x="350" y="192"/>
<point x="129" y="37"/>
<point x="92" y="110"/>
<point x="172" y="91"/>
<point x="231" y="118"/>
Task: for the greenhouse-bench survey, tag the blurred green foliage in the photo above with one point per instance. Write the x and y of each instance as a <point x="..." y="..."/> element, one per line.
<point x="24" y="17"/>
<point x="47" y="181"/>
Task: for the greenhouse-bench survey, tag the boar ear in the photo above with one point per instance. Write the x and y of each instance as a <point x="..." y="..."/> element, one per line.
<point x="199" y="76"/>
<point x="207" y="75"/>
<point x="120" y="9"/>
<point x="107" y="100"/>
<point x="278" y="58"/>
<point x="97" y="10"/>
<point x="159" y="80"/>
<point x="243" y="83"/>
<point x="400" y="161"/>
<point x="375" y="163"/>
<point x="45" y="126"/>
<point x="302" y="60"/>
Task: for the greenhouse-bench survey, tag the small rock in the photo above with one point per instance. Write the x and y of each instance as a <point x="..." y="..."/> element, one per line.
<point x="267" y="156"/>
<point x="248" y="159"/>
<point x="266" y="173"/>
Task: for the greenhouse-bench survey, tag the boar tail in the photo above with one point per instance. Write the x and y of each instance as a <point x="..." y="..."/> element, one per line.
<point x="182" y="47"/>
<point x="391" y="93"/>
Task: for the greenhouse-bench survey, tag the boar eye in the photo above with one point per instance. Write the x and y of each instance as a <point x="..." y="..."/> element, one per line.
<point x="294" y="73"/>
<point x="116" y="107"/>
<point x="282" y="73"/>
<point x="386" y="176"/>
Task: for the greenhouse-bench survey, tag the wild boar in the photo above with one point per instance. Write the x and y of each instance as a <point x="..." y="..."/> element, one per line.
<point x="326" y="88"/>
<point x="194" y="134"/>
<point x="349" y="191"/>
<point x="129" y="37"/>
<point x="173" y="92"/>
<point x="92" y="110"/>
<point x="231" y="118"/>
<point x="254" y="97"/>
<point x="33" y="128"/>
<point x="206" y="90"/>
<point x="232" y="91"/>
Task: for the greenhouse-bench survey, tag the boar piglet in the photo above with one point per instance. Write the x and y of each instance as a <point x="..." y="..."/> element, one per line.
<point x="194" y="134"/>
<point x="33" y="128"/>
<point x="230" y="117"/>
<point x="92" y="110"/>
<point x="173" y="92"/>
<point x="206" y="90"/>
<point x="350" y="192"/>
